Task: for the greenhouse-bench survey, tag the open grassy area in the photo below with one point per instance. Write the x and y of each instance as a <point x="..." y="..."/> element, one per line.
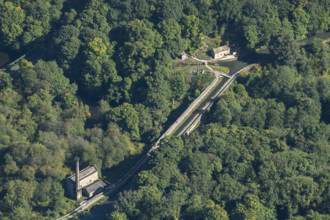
<point x="193" y="68"/>
<point x="220" y="68"/>
<point x="190" y="68"/>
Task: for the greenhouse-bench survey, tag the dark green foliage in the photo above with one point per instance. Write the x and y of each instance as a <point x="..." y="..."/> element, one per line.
<point x="259" y="154"/>
<point x="261" y="22"/>
<point x="190" y="31"/>
<point x="23" y="22"/>
<point x="170" y="10"/>
<point x="40" y="116"/>
<point x="284" y="49"/>
<point x="171" y="33"/>
<point x="127" y="118"/>
<point x="140" y="44"/>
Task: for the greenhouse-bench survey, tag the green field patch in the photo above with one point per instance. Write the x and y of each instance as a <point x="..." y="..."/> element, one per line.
<point x="220" y="68"/>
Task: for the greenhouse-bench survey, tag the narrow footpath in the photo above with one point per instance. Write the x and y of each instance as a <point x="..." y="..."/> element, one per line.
<point x="212" y="70"/>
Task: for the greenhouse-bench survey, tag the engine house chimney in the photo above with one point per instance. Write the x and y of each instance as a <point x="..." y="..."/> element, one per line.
<point x="78" y="190"/>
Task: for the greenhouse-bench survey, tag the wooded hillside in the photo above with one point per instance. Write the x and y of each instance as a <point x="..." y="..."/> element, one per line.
<point x="105" y="87"/>
<point x="262" y="152"/>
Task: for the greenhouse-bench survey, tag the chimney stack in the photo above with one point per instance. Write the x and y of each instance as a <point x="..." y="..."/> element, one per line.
<point x="78" y="190"/>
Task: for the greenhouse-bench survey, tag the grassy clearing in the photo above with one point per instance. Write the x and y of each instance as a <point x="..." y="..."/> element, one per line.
<point x="189" y="69"/>
<point x="220" y="68"/>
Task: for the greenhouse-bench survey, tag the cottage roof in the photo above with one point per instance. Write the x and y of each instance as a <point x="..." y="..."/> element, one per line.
<point x="94" y="186"/>
<point x="84" y="173"/>
<point x="220" y="49"/>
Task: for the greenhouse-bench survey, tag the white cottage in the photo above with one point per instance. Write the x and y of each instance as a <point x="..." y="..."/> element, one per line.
<point x="220" y="52"/>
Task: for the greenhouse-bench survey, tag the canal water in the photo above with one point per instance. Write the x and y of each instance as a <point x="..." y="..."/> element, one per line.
<point x="323" y="36"/>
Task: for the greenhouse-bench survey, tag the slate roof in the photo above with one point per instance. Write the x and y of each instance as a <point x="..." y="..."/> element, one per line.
<point x="94" y="186"/>
<point x="84" y="173"/>
<point x="220" y="49"/>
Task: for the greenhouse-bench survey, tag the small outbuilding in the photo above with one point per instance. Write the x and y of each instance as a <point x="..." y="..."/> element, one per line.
<point x="184" y="56"/>
<point x="93" y="189"/>
<point x="220" y="52"/>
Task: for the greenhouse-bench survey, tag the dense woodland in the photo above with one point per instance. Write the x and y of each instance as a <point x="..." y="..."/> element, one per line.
<point x="262" y="152"/>
<point x="105" y="86"/>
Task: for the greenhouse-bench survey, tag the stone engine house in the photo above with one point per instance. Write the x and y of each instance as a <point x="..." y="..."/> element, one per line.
<point x="88" y="183"/>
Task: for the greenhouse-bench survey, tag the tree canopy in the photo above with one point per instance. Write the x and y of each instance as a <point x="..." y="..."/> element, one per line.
<point x="100" y="81"/>
<point x="260" y="153"/>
